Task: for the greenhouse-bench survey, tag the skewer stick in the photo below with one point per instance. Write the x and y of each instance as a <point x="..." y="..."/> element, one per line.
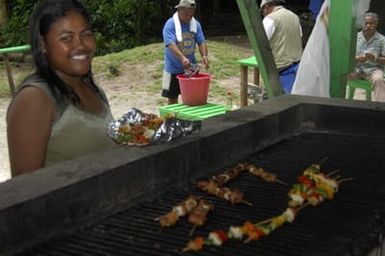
<point x="247" y="240"/>
<point x="303" y="206"/>
<point x="345" y="180"/>
<point x="263" y="221"/>
<point x="332" y="173"/>
<point x="193" y="230"/>
<point x="323" y="160"/>
<point x="246" y="202"/>
<point x="281" y="182"/>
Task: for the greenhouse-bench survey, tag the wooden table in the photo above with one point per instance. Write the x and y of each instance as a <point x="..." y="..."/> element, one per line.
<point x="245" y="64"/>
<point x="4" y="52"/>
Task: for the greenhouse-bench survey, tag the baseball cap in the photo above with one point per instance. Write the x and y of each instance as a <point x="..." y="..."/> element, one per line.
<point x="186" y="4"/>
<point x="270" y="1"/>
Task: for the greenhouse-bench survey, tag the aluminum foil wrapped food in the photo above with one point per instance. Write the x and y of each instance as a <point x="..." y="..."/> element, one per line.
<point x="174" y="128"/>
<point x="138" y="128"/>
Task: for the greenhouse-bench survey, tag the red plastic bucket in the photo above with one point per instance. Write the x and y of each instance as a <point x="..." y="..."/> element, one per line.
<point x="194" y="90"/>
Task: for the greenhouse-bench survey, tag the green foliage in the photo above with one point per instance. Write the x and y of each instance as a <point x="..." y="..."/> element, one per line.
<point x="16" y="31"/>
<point x="119" y="24"/>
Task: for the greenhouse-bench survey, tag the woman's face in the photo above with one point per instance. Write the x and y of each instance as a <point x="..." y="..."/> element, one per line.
<point x="70" y="46"/>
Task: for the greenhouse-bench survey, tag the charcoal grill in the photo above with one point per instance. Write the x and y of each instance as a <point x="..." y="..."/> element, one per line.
<point x="106" y="204"/>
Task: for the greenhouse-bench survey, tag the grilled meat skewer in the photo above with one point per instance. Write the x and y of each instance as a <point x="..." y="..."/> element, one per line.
<point x="171" y="218"/>
<point x="212" y="188"/>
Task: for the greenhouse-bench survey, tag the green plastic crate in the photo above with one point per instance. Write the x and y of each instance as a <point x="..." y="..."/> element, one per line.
<point x="193" y="112"/>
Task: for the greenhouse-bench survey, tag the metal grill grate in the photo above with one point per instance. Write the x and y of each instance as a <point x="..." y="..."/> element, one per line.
<point x="348" y="225"/>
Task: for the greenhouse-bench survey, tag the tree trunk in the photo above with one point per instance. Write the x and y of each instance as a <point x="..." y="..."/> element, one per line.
<point x="3" y="13"/>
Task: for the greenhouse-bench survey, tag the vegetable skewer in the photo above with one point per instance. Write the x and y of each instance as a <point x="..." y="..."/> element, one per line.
<point x="313" y="188"/>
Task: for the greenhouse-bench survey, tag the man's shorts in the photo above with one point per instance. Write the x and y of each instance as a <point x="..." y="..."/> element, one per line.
<point x="170" y="85"/>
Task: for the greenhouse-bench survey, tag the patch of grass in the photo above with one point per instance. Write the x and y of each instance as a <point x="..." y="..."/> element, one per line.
<point x="155" y="87"/>
<point x="222" y="57"/>
<point x="142" y="54"/>
<point x="147" y="62"/>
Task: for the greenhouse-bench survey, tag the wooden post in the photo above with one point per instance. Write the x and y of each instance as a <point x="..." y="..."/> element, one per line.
<point x="261" y="46"/>
<point x="244" y="85"/>
<point x="9" y="73"/>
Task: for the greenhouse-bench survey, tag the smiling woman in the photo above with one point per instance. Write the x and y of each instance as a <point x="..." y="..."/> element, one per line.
<point x="58" y="113"/>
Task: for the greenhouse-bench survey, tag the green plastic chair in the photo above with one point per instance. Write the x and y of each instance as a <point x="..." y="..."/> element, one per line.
<point x="360" y="84"/>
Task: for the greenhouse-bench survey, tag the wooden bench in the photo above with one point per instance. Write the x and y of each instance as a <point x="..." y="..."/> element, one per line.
<point x="245" y="64"/>
<point x="4" y="52"/>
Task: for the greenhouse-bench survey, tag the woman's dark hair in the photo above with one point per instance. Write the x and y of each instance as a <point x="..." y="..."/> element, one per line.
<point x="46" y="13"/>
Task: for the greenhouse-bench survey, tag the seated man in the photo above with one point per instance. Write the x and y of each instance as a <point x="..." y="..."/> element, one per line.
<point x="283" y="30"/>
<point x="370" y="56"/>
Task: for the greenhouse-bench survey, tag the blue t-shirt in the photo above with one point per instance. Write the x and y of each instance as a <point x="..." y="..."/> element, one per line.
<point x="189" y="40"/>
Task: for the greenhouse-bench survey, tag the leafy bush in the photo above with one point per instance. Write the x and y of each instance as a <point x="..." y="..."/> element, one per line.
<point x="119" y="24"/>
<point x="122" y="24"/>
<point x="16" y="31"/>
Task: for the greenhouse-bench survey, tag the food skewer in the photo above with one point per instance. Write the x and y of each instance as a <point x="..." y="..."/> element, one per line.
<point x="229" y="174"/>
<point x="260" y="172"/>
<point x="198" y="216"/>
<point x="313" y="188"/>
<point x="212" y="188"/>
<point x="171" y="218"/>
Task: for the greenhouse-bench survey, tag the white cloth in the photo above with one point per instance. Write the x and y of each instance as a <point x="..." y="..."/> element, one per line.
<point x="166" y="80"/>
<point x="269" y="26"/>
<point x="178" y="27"/>
<point x="313" y="75"/>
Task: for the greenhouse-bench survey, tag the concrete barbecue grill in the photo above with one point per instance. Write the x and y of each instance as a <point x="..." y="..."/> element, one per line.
<point x="105" y="204"/>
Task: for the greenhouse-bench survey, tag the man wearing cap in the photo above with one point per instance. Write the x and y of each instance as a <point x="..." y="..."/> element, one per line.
<point x="181" y="33"/>
<point x="283" y="29"/>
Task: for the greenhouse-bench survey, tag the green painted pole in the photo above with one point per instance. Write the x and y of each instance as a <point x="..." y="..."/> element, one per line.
<point x="261" y="46"/>
<point x="342" y="42"/>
